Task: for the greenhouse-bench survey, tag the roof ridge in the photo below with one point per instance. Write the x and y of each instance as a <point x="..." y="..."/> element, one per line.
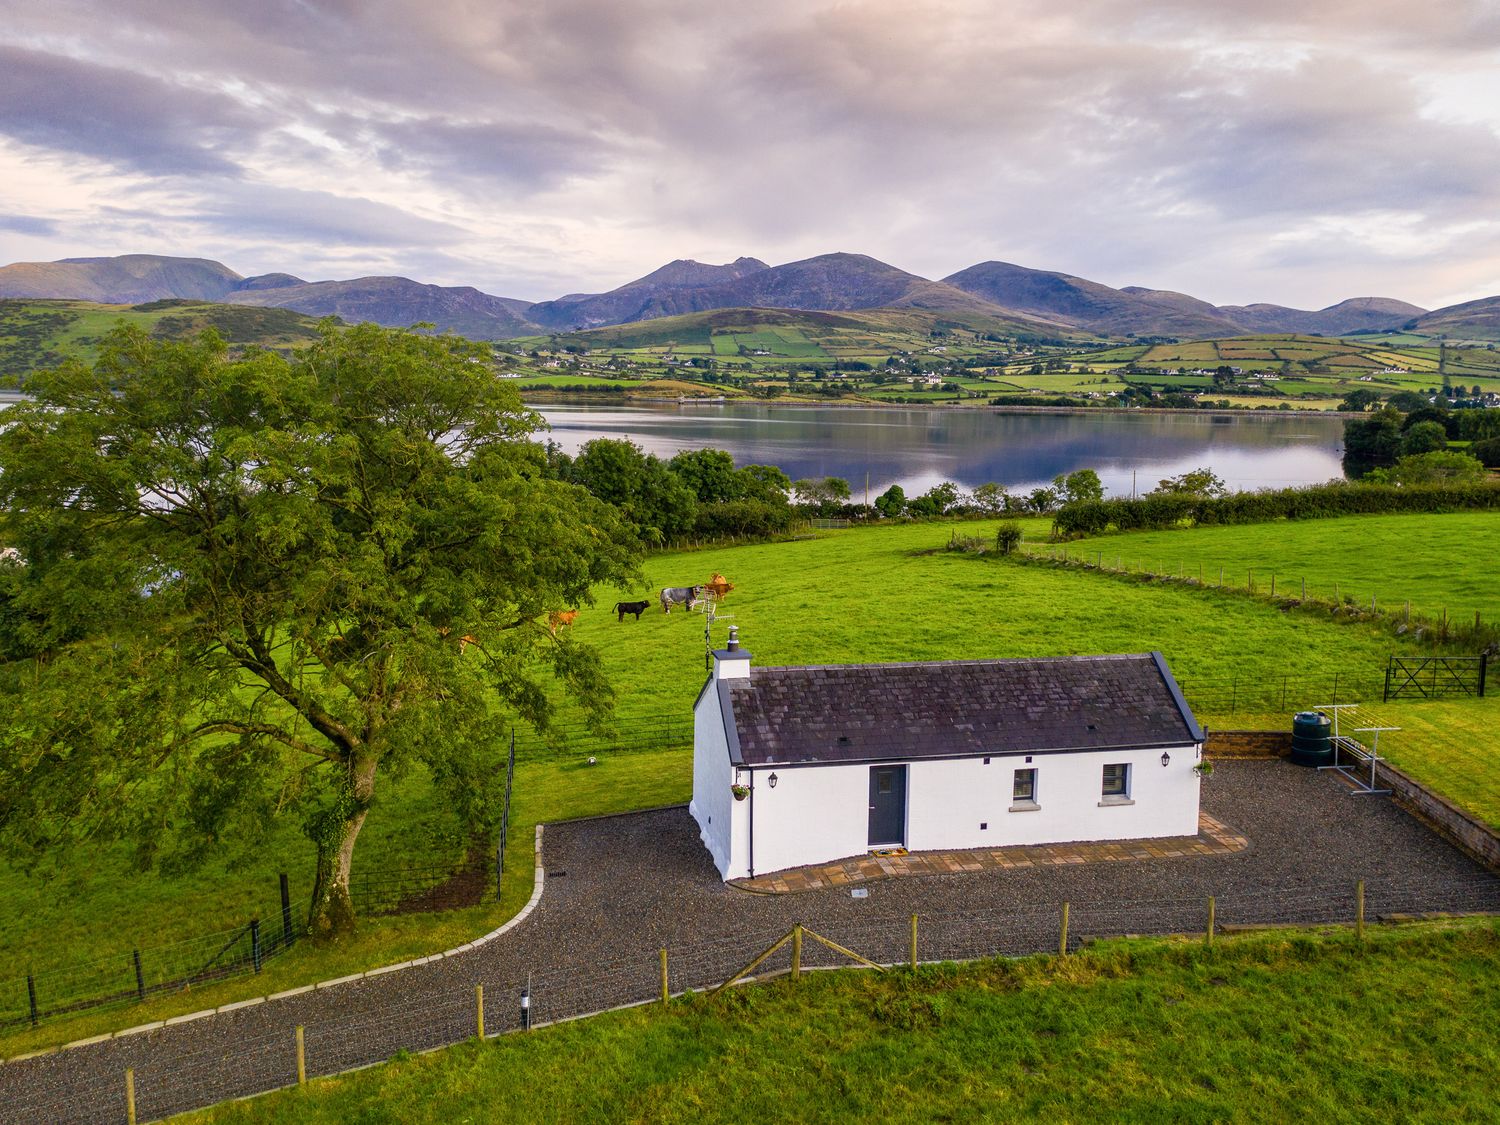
<point x="983" y="662"/>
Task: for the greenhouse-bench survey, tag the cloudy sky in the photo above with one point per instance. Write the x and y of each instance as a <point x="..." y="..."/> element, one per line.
<point x="1261" y="150"/>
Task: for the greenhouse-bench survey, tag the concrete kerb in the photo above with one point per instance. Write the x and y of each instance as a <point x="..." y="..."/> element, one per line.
<point x="539" y="879"/>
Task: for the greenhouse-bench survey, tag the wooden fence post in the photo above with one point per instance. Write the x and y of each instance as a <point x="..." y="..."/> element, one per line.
<point x="1210" y="932"/>
<point x="1062" y="933"/>
<point x="797" y="951"/>
<point x="1359" y="910"/>
<point x="301" y="1057"/>
<point x="914" y="942"/>
<point x="140" y="977"/>
<point x="666" y="993"/>
<point x="130" y="1095"/>
<point x="479" y="1010"/>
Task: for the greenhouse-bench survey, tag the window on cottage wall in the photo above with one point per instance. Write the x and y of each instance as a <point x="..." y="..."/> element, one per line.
<point x="1117" y="779"/>
<point x="1024" y="786"/>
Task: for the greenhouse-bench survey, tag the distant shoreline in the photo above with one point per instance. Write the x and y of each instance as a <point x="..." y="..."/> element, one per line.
<point x="557" y="398"/>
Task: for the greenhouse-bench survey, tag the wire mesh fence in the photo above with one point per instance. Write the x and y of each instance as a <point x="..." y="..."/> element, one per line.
<point x="422" y="888"/>
<point x="656" y="732"/>
<point x="338" y="1036"/>
<point x="135" y="975"/>
<point x="1284" y="690"/>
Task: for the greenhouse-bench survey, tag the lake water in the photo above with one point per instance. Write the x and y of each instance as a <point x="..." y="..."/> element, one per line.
<point x="920" y="448"/>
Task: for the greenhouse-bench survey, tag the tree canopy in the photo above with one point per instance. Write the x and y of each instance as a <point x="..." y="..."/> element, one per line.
<point x="247" y="585"/>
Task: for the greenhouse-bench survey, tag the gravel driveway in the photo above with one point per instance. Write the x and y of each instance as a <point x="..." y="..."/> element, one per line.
<point x="620" y="888"/>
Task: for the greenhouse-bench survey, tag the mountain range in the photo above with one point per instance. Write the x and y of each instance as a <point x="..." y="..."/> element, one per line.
<point x="1015" y="298"/>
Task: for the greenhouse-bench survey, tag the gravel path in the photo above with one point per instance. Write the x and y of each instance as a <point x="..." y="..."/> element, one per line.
<point x="620" y="888"/>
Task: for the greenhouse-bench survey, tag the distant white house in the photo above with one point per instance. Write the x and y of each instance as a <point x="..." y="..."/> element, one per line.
<point x="797" y="766"/>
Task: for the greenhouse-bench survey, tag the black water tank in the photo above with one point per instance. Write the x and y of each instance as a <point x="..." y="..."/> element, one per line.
<point x="1312" y="739"/>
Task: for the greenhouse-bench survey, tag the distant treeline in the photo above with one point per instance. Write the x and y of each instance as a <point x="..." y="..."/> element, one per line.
<point x="1412" y="424"/>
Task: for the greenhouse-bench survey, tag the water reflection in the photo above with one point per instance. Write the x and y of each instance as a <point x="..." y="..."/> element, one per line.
<point x="919" y="448"/>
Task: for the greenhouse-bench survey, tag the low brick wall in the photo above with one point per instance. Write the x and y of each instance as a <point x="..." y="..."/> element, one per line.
<point x="1462" y="829"/>
<point x="1248" y="744"/>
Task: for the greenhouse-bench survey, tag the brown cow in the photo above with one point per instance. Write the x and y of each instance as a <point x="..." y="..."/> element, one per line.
<point x="558" y="618"/>
<point x="719" y="586"/>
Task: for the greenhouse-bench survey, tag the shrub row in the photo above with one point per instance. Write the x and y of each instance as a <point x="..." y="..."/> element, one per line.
<point x="1160" y="512"/>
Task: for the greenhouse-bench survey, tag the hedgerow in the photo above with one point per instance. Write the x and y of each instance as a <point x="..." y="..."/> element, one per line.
<point x="1161" y="512"/>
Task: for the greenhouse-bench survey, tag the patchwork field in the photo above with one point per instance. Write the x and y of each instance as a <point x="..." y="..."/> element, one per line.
<point x="1313" y="365"/>
<point x="871" y="594"/>
<point x="1247" y="1032"/>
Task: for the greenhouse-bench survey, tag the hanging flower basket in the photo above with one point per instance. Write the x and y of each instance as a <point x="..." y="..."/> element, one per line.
<point x="740" y="791"/>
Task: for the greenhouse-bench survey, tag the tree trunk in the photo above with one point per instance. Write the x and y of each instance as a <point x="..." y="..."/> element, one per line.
<point x="332" y="912"/>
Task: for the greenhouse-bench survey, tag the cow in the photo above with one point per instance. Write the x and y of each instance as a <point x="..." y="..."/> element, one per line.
<point x="637" y="608"/>
<point x="558" y="618"/>
<point x="718" y="586"/>
<point x="679" y="595"/>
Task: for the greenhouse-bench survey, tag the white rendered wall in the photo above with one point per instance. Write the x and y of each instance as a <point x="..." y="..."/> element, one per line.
<point x="817" y="814"/>
<point x="948" y="801"/>
<point x="712" y="776"/>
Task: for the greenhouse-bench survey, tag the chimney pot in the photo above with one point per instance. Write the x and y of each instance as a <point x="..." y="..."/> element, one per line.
<point x="734" y="638"/>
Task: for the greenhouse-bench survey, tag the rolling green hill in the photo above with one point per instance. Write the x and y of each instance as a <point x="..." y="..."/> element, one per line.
<point x="776" y="335"/>
<point x="43" y="333"/>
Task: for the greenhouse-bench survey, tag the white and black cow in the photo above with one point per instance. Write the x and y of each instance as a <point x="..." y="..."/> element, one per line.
<point x="679" y="595"/>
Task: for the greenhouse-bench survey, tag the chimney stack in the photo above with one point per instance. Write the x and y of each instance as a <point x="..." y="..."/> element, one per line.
<point x="731" y="662"/>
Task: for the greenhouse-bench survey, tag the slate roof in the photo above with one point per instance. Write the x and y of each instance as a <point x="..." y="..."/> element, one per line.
<point x="952" y="709"/>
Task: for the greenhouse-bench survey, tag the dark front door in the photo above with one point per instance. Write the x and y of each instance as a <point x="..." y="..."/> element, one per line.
<point x="887" y="806"/>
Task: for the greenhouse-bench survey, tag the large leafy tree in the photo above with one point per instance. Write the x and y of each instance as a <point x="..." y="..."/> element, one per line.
<point x="247" y="586"/>
<point x="652" y="497"/>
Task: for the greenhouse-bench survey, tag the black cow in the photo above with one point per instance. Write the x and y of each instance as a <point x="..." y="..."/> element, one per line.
<point x="637" y="608"/>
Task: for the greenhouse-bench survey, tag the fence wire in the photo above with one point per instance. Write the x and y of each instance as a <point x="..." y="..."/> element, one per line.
<point x="133" y="976"/>
<point x="376" y="1021"/>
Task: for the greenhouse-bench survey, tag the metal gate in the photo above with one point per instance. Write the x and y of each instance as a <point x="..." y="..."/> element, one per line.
<point x="1431" y="677"/>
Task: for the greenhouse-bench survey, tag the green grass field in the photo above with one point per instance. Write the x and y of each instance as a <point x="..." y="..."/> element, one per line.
<point x="1267" y="1027"/>
<point x="868" y="594"/>
<point x="1436" y="563"/>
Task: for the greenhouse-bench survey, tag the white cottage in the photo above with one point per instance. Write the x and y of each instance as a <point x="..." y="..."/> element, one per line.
<point x="796" y="766"/>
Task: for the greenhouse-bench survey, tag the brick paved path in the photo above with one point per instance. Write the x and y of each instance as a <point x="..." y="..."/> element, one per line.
<point x="619" y="889"/>
<point x="1213" y="838"/>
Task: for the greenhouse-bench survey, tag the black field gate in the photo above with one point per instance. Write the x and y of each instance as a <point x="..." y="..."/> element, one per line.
<point x="1432" y="677"/>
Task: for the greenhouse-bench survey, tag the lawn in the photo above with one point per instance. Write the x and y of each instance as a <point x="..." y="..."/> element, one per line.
<point x="1266" y="1027"/>
<point x="868" y="594"/>
<point x="1434" y="562"/>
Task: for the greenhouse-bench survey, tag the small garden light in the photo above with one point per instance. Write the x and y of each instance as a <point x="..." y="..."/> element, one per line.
<point x="1166" y="759"/>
